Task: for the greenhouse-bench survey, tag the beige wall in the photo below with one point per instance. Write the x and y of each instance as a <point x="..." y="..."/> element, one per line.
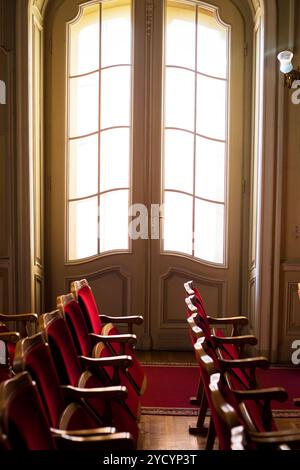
<point x="289" y="305"/>
<point x="291" y="174"/>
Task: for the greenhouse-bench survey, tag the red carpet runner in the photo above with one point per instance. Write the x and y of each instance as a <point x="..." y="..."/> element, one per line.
<point x="171" y="386"/>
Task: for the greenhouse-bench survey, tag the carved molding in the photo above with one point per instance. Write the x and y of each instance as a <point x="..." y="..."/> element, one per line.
<point x="5" y="296"/>
<point x="292" y="308"/>
<point x="39" y="293"/>
<point x="40" y="5"/>
<point x="219" y="285"/>
<point x="290" y="267"/>
<point x="149" y="17"/>
<point x="252" y="304"/>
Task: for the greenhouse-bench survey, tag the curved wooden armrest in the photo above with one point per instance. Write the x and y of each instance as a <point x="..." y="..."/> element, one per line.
<point x="114" y="393"/>
<point x="228" y="321"/>
<point x="129" y="339"/>
<point x="83" y="432"/>
<point x="296" y="401"/>
<point x="116" y="441"/>
<point x="10" y="336"/>
<point x="19" y="317"/>
<point x="132" y="319"/>
<point x="275" y="437"/>
<point x="115" y="361"/>
<point x="235" y="340"/>
<point x="249" y="363"/>
<point x="273" y="393"/>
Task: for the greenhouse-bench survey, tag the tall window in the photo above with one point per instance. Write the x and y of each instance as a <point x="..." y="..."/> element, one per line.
<point x="195" y="131"/>
<point x="99" y="129"/>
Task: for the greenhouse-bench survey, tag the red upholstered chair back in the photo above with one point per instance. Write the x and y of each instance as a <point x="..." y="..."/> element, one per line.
<point x="23" y="419"/>
<point x="83" y="293"/>
<point x="76" y="323"/>
<point x="208" y="369"/>
<point x="191" y="290"/>
<point x="33" y="355"/>
<point x="193" y="308"/>
<point x="238" y="380"/>
<point x="62" y="347"/>
<point x="69" y="307"/>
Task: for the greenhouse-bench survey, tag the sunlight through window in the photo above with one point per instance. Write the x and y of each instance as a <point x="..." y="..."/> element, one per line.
<point x="195" y="132"/>
<point x="99" y="129"/>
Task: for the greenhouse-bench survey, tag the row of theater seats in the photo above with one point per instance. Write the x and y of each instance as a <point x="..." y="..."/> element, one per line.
<point x="240" y="412"/>
<point x="76" y="382"/>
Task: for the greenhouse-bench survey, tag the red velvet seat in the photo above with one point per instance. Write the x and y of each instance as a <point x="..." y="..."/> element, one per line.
<point x="230" y="410"/>
<point x="24" y="424"/>
<point x="63" y="411"/>
<point x="92" y="345"/>
<point x="230" y="348"/>
<point x="105" y="325"/>
<point x="240" y="373"/>
<point x="77" y="372"/>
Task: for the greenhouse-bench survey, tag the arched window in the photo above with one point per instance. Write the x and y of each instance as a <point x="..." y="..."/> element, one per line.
<point x="146" y="105"/>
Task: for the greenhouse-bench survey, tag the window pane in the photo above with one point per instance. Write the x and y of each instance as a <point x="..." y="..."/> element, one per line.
<point x="178" y="223"/>
<point x="179" y="100"/>
<point x="115" y="97"/>
<point x="180" y="35"/>
<point x="211" y="107"/>
<point x="210" y="169"/>
<point x="114" y="221"/>
<point x="83" y="112"/>
<point x="116" y="33"/>
<point x="114" y="167"/>
<point x="83" y="167"/>
<point x="212" y="45"/>
<point x="84" y="42"/>
<point x="83" y="228"/>
<point x="179" y="151"/>
<point x="209" y="231"/>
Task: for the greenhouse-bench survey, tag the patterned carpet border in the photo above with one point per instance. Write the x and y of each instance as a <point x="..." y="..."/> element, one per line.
<point x="162" y="411"/>
<point x="148" y="410"/>
<point x="193" y="364"/>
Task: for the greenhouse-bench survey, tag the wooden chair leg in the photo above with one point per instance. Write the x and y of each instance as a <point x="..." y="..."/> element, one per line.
<point x="200" y="429"/>
<point x="197" y="399"/>
<point x="211" y="436"/>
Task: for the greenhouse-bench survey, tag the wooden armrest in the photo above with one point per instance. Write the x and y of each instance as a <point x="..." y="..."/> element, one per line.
<point x="10" y="336"/>
<point x="235" y="340"/>
<point x="115" y="361"/>
<point x="275" y="437"/>
<point x="83" y="432"/>
<point x="114" y="393"/>
<point x="248" y="363"/>
<point x="116" y="441"/>
<point x="296" y="401"/>
<point x="273" y="393"/>
<point x="129" y="339"/>
<point x="132" y="319"/>
<point x="19" y="317"/>
<point x="228" y="321"/>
